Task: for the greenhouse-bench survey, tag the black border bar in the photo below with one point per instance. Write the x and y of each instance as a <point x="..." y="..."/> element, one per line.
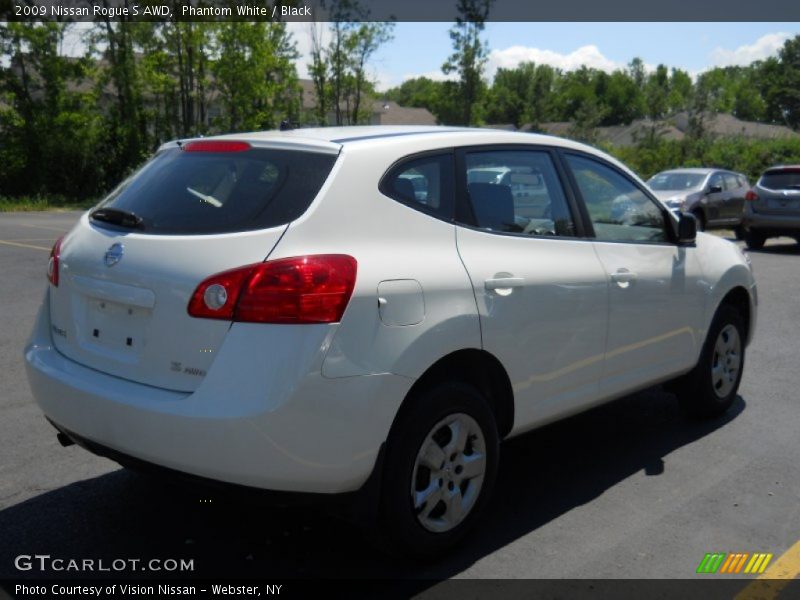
<point x="401" y="10"/>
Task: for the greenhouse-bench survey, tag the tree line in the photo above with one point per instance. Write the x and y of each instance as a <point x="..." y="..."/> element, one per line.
<point x="74" y="126"/>
<point x="531" y="94"/>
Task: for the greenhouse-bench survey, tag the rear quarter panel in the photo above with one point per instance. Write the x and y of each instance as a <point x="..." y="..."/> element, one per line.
<point x="391" y="242"/>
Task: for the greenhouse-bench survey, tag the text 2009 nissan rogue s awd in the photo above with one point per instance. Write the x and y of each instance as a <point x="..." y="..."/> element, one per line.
<point x="301" y="310"/>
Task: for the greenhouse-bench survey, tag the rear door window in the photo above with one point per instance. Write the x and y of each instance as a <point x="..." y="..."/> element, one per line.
<point x="517" y="191"/>
<point x="731" y="182"/>
<point x="742" y="181"/>
<point x="182" y="192"/>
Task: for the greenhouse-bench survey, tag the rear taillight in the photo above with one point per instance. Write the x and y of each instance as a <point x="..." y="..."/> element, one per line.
<point x="52" y="264"/>
<point x="751" y="196"/>
<point x="301" y="289"/>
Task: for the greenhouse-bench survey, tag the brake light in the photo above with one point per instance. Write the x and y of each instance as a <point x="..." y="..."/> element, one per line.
<point x="751" y="196"/>
<point x="301" y="289"/>
<point x="53" y="262"/>
<point x="216" y="146"/>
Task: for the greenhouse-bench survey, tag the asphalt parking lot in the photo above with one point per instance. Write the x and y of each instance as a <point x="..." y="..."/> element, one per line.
<point x="630" y="490"/>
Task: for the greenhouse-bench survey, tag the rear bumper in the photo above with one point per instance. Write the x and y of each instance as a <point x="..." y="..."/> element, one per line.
<point x="754" y="220"/>
<point x="248" y="423"/>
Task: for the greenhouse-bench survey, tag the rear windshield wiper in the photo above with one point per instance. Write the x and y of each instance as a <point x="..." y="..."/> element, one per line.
<point x="115" y="216"/>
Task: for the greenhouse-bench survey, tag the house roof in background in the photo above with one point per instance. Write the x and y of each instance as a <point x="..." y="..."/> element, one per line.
<point x="385" y="112"/>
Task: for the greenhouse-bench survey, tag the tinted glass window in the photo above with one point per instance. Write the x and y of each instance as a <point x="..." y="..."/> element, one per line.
<point x="619" y="210"/>
<point x="731" y="181"/>
<point x="517" y="191"/>
<point x="675" y="181"/>
<point x="742" y="181"/>
<point x="781" y="180"/>
<point x="179" y="192"/>
<point x="716" y="181"/>
<point x="425" y="183"/>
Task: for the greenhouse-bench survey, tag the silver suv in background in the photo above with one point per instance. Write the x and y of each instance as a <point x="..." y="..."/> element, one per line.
<point x="774" y="206"/>
<point x="715" y="197"/>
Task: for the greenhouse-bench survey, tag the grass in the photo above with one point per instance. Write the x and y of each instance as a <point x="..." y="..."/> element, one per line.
<point x="42" y="203"/>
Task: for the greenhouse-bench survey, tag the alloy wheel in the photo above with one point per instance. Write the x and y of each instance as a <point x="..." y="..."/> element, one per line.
<point x="726" y="361"/>
<point x="448" y="473"/>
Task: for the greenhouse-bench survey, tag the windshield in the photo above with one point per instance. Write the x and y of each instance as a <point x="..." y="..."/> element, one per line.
<point x="785" y="179"/>
<point x="675" y="181"/>
<point x="180" y="192"/>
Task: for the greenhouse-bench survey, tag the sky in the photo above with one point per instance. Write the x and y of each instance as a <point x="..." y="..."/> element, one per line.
<point x="421" y="48"/>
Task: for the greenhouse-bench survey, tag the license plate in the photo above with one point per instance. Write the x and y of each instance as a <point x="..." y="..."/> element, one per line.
<point x="114" y="328"/>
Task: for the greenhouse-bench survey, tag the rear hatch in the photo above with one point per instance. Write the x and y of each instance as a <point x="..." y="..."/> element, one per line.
<point x="128" y="270"/>
<point x="778" y="192"/>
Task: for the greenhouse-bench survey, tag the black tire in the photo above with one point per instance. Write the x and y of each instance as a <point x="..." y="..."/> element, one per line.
<point x="701" y="220"/>
<point x="400" y="523"/>
<point x="699" y="394"/>
<point x="738" y="232"/>
<point x="754" y="239"/>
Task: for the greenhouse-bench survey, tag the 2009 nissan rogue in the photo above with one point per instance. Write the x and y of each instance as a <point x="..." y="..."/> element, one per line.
<point x="308" y="310"/>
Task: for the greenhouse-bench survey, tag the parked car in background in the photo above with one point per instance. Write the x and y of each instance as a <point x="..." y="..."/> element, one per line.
<point x="773" y="207"/>
<point x="299" y="311"/>
<point x="715" y="197"/>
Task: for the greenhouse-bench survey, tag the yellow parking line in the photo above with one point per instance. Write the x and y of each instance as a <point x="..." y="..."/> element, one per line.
<point x="769" y="584"/>
<point x="24" y="245"/>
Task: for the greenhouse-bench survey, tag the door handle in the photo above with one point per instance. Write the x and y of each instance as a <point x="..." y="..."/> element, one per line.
<point x="623" y="277"/>
<point x="503" y="283"/>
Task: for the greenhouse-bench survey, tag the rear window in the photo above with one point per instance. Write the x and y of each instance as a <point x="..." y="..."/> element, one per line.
<point x="180" y="192"/>
<point x="785" y="179"/>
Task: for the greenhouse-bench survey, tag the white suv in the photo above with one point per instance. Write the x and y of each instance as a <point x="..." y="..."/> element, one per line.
<point x="286" y="311"/>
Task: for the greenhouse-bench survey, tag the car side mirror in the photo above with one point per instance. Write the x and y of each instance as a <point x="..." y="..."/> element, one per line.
<point x="714" y="189"/>
<point x="687" y="229"/>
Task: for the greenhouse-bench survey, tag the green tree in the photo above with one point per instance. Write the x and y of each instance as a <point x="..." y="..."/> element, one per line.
<point x="255" y="75"/>
<point x="508" y="100"/>
<point x="657" y="94"/>
<point x="48" y="122"/>
<point x="365" y="39"/>
<point x="580" y="103"/>
<point x="783" y="87"/>
<point x="469" y="56"/>
<point x="339" y="69"/>
<point x="621" y="98"/>
<point x="119" y="84"/>
<point x="420" y="92"/>
<point x="749" y="103"/>
<point x="680" y="91"/>
<point x="188" y="43"/>
<point x="717" y="85"/>
<point x="637" y="72"/>
<point x="542" y="95"/>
